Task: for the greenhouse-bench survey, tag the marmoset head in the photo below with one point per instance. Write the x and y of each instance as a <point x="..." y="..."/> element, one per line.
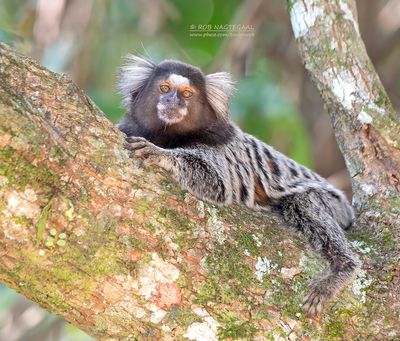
<point x="173" y="96"/>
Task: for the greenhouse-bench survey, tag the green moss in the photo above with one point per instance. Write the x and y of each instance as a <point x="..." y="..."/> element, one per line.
<point x="104" y="223"/>
<point x="56" y="152"/>
<point x="23" y="220"/>
<point x="229" y="276"/>
<point x="47" y="281"/>
<point x="394" y="203"/>
<point x="261" y="312"/>
<point x="382" y="100"/>
<point x="6" y="154"/>
<point x="339" y="15"/>
<point x="58" y="301"/>
<point x="208" y="292"/>
<point x="150" y="227"/>
<point x="65" y="274"/>
<point x="48" y="296"/>
<point x="20" y="172"/>
<point x="247" y="242"/>
<point x="101" y="157"/>
<point x="228" y="262"/>
<point x="387" y="238"/>
<point x="172" y="189"/>
<point x="141" y="206"/>
<point x="235" y="328"/>
<point x="138" y="244"/>
<point x="84" y="198"/>
<point x="335" y="326"/>
<point x="182" y="240"/>
<point x="216" y="291"/>
<point x="104" y="263"/>
<point x="183" y="316"/>
<point x="78" y="256"/>
<point x="36" y="151"/>
<point x="179" y="221"/>
<point x="369" y="240"/>
<point x="292" y="303"/>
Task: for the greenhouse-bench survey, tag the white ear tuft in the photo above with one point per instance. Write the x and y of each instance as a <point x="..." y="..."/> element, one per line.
<point x="219" y="89"/>
<point x="133" y="76"/>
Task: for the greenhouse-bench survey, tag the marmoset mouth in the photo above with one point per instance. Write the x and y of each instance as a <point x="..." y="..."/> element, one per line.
<point x="170" y="116"/>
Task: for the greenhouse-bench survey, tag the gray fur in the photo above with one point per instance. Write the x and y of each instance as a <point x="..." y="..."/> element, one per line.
<point x="220" y="87"/>
<point x="247" y="171"/>
<point x="133" y="76"/>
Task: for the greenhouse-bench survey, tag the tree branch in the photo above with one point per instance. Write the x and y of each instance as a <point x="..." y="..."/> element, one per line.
<point x="367" y="129"/>
<point x="116" y="250"/>
<point x="366" y="125"/>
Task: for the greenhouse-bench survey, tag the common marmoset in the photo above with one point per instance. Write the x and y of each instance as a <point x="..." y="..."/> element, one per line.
<point x="178" y="118"/>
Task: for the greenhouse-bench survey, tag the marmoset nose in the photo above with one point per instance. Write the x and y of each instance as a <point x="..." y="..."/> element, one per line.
<point x="172" y="97"/>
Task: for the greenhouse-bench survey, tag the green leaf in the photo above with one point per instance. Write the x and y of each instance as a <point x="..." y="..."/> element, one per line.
<point x="43" y="220"/>
<point x="49" y="241"/>
<point x="61" y="242"/>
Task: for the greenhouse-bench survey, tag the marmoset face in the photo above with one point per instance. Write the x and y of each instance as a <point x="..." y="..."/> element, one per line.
<point x="176" y="93"/>
<point x="173" y="97"/>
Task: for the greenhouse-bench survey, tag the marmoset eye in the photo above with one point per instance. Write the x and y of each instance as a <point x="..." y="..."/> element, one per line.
<point x="164" y="88"/>
<point x="187" y="94"/>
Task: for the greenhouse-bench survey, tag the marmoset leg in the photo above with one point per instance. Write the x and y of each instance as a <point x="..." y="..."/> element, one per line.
<point x="194" y="171"/>
<point x="307" y="213"/>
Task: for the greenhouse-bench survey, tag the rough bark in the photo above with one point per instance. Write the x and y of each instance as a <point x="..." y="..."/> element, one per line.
<point x="123" y="253"/>
<point x="367" y="129"/>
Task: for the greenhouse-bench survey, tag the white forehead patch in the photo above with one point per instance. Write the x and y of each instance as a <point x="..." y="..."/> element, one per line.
<point x="178" y="80"/>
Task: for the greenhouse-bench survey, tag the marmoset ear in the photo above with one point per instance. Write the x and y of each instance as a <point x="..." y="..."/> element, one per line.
<point x="219" y="89"/>
<point x="132" y="77"/>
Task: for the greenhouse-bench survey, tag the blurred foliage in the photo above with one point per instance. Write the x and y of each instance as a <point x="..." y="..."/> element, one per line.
<point x="23" y="320"/>
<point x="260" y="107"/>
<point x="118" y="27"/>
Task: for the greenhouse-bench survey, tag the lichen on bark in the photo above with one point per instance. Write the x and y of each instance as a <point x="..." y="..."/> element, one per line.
<point x="367" y="130"/>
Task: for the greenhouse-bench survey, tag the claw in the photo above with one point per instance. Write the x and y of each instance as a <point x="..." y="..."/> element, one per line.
<point x="150" y="154"/>
<point x="143" y="151"/>
<point x="136" y="145"/>
<point x="314" y="302"/>
<point x="133" y="139"/>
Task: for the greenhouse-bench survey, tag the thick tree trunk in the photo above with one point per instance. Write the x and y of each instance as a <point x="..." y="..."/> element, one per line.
<point x="122" y="253"/>
<point x="368" y="132"/>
